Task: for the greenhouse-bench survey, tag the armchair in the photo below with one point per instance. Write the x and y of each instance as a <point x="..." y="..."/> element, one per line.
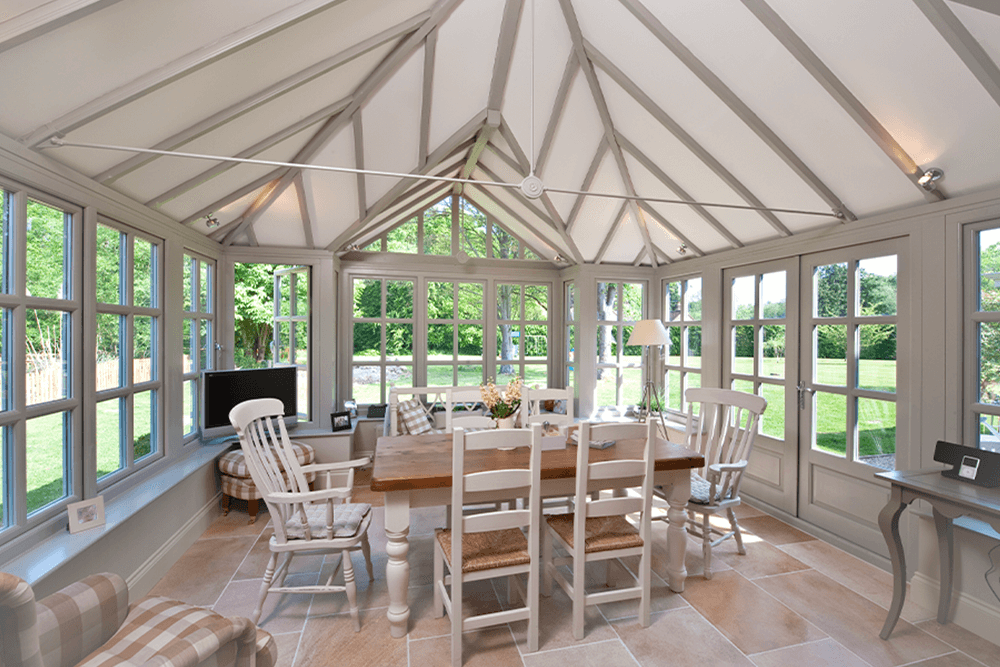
<point x="90" y="624"/>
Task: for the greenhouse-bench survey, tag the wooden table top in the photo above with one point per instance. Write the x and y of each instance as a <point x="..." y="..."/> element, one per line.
<point x="409" y="462"/>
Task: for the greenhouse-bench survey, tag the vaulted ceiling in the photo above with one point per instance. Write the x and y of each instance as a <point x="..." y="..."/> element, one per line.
<point x="793" y="115"/>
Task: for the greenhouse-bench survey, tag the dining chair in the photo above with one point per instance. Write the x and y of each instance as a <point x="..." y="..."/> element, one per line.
<point x="490" y="544"/>
<point x="598" y="528"/>
<point x="467" y="399"/>
<point x="723" y="431"/>
<point x="535" y="399"/>
<point x="324" y="521"/>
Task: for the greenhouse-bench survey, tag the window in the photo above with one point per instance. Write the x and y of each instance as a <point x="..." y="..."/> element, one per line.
<point x="382" y="337"/>
<point x="570" y="323"/>
<point x="983" y="337"/>
<point x="455" y="326"/>
<point x="619" y="368"/>
<point x="127" y="378"/>
<point x="40" y="404"/>
<point x="291" y="329"/>
<point x="682" y="312"/>
<point x="198" y="337"/>
<point x="522" y="334"/>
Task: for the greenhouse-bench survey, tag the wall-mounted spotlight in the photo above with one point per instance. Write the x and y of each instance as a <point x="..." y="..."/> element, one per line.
<point x="211" y="221"/>
<point x="928" y="181"/>
<point x="351" y="247"/>
<point x="682" y="249"/>
<point x="558" y="259"/>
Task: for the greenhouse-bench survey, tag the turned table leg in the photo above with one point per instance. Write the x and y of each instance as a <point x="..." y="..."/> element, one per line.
<point x="397" y="570"/>
<point x="677" y="498"/>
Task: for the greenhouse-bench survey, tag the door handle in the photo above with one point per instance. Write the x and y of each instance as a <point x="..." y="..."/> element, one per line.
<point x="802" y="389"/>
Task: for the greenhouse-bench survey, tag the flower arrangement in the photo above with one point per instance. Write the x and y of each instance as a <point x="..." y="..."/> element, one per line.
<point x="503" y="404"/>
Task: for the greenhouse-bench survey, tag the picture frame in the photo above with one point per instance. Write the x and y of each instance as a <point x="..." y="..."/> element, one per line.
<point x="340" y="421"/>
<point x="86" y="514"/>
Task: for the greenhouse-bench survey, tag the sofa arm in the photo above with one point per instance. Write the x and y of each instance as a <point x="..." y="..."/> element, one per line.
<point x="18" y="623"/>
<point x="231" y="641"/>
<point x="79" y="619"/>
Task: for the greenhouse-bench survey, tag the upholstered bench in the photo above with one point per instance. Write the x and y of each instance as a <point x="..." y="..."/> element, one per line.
<point x="237" y="483"/>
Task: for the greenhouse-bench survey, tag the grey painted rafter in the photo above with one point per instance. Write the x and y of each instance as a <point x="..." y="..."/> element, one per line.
<point x="359" y="160"/>
<point x="724" y="93"/>
<point x="45" y="18"/>
<point x="588" y="180"/>
<point x="270" y="93"/>
<point x="482" y="138"/>
<point x="558" y="107"/>
<point x="177" y="68"/>
<point x="668" y="123"/>
<point x="964" y="44"/>
<point x="679" y="192"/>
<point x="669" y="228"/>
<point x="602" y="109"/>
<point x="305" y="211"/>
<point x="522" y="159"/>
<point x="361" y="95"/>
<point x="427" y="95"/>
<point x="839" y="92"/>
<point x="250" y="152"/>
<point x="988" y="6"/>
<point x="217" y="234"/>
<point x="236" y="195"/>
<point x="505" y="50"/>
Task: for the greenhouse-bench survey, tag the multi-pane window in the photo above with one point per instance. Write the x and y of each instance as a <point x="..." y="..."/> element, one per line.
<point x="983" y="337"/>
<point x="522" y="333"/>
<point x="570" y="323"/>
<point x="382" y="337"/>
<point x="682" y="315"/>
<point x="619" y="367"/>
<point x="455" y="326"/>
<point x="198" y="336"/>
<point x="291" y="329"/>
<point x="127" y="378"/>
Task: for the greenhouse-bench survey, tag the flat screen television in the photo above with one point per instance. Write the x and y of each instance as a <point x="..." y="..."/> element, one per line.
<point x="223" y="390"/>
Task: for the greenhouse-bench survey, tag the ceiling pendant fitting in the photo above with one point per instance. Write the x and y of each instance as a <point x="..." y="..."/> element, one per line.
<point x="531" y="187"/>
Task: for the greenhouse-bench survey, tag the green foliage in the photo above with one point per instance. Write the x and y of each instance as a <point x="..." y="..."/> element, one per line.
<point x="989" y="333"/>
<point x="254" y="301"/>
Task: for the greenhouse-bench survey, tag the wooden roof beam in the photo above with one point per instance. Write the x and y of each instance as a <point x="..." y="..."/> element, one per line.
<point x="45" y="18"/>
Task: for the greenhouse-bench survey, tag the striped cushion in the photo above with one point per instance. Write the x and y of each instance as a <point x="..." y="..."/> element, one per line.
<point x="346" y="519"/>
<point x="413" y="417"/>
<point x="80" y="618"/>
<point x="233" y="463"/>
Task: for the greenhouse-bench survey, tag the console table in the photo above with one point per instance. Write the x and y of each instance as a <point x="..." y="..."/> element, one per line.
<point x="949" y="498"/>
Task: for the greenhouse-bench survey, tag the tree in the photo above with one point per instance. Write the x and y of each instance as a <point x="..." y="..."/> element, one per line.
<point x="254" y="299"/>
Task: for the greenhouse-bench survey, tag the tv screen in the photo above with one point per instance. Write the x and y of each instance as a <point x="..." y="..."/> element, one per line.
<point x="223" y="390"/>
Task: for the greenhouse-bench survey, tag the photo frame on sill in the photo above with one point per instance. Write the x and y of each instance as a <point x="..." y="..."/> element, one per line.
<point x="340" y="421"/>
<point x="86" y="514"/>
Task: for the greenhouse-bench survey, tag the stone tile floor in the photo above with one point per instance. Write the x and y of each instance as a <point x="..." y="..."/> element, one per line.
<point x="791" y="600"/>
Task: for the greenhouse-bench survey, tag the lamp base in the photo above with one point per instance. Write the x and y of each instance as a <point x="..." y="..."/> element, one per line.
<point x="650" y="397"/>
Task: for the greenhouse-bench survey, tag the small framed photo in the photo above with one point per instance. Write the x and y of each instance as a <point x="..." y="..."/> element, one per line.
<point x="86" y="514"/>
<point x="340" y="421"/>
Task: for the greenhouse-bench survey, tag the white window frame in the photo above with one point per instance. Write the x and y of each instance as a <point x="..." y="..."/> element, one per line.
<point x="618" y="326"/>
<point x="682" y="323"/>
<point x="295" y="319"/>
<point x="521" y="322"/>
<point x="383" y="320"/>
<point x="974" y="411"/>
<point x="194" y="316"/>
<point x="455" y="321"/>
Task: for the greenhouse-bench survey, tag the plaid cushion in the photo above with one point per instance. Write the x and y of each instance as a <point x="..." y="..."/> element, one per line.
<point x="234" y="464"/>
<point x="413" y="417"/>
<point x="81" y="617"/>
<point x="346" y="519"/>
<point x="18" y="622"/>
<point x="245" y="489"/>
<point x="701" y="487"/>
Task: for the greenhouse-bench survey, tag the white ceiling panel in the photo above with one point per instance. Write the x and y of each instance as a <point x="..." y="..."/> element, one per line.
<point x="334" y="195"/>
<point x="627" y="242"/>
<point x="985" y="27"/>
<point x="280" y="224"/>
<point x="218" y="188"/>
<point x="596" y="214"/>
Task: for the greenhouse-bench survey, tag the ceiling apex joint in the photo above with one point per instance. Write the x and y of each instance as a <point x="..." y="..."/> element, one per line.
<point x="493" y="118"/>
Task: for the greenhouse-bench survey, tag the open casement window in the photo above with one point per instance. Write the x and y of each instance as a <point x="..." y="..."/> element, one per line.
<point x="982" y="338"/>
<point x="291" y="329"/>
<point x="682" y="361"/>
<point x="198" y="336"/>
<point x="382" y="337"/>
<point x="619" y="367"/>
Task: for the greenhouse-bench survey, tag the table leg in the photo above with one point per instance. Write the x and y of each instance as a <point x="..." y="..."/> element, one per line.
<point x="946" y="549"/>
<point x="888" y="521"/>
<point x="677" y="498"/>
<point x="397" y="570"/>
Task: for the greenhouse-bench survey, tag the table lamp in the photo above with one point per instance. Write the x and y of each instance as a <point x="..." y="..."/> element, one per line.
<point x="647" y="333"/>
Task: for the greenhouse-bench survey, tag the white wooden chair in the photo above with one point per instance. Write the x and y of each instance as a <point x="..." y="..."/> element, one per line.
<point x="598" y="529"/>
<point x="304" y="521"/>
<point x="532" y="403"/>
<point x="490" y="544"/>
<point x="723" y="431"/>
<point x="467" y="398"/>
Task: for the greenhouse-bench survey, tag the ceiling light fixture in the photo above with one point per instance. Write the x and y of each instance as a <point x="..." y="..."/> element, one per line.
<point x="351" y="247"/>
<point x="928" y="180"/>
<point x="558" y="259"/>
<point x="211" y="221"/>
<point x="682" y="249"/>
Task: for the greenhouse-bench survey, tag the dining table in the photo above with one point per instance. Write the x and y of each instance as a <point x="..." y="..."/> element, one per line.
<point x="414" y="471"/>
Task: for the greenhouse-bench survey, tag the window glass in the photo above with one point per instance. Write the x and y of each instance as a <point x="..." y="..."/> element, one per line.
<point x="143" y="294"/>
<point x="47" y="251"/>
<point x="47" y="364"/>
<point x="437" y="228"/>
<point x="109" y="264"/>
<point x="403" y="238"/>
<point x="382" y="336"/>
<point x="109" y="423"/>
<point x="48" y="450"/>
<point x="682" y="360"/>
<point x="619" y="366"/>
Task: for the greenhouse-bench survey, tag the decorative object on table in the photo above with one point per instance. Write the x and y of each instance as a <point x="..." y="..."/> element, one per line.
<point x="340" y="421"/>
<point x="351" y="406"/>
<point x="553" y="437"/>
<point x="86" y="514"/>
<point x="978" y="466"/>
<point x="648" y="333"/>
<point x="376" y="411"/>
<point x="504" y="405"/>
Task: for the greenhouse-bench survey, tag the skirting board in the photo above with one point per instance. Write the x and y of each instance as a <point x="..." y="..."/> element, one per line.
<point x="145" y="577"/>
<point x="970" y="613"/>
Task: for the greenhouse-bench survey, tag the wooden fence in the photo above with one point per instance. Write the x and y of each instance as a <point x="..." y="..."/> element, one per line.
<point x="45" y="378"/>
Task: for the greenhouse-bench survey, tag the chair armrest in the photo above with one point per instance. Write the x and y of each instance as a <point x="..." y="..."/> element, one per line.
<point x="287" y="498"/>
<point x="80" y="618"/>
<point x="342" y="465"/>
<point x="727" y="467"/>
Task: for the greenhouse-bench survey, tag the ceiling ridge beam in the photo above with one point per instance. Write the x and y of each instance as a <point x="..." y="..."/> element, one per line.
<point x="175" y="69"/>
<point x="669" y="228"/>
<point x="235" y="195"/>
<point x="304" y="211"/>
<point x="505" y="50"/>
<point x="246" y="153"/>
<point x="588" y="180"/>
<point x="964" y="44"/>
<point x="558" y="108"/>
<point x="372" y="83"/>
<point x="668" y="123"/>
<point x="359" y="159"/>
<point x="542" y="241"/>
<point x="679" y="192"/>
<point x="605" y="113"/>
<point x="988" y="6"/>
<point x="234" y="111"/>
<point x="41" y="20"/>
<point x="724" y="93"/>
<point x="454" y="143"/>
<point x="616" y="225"/>
<point x="482" y="138"/>
<point x="840" y="93"/>
<point x="427" y="96"/>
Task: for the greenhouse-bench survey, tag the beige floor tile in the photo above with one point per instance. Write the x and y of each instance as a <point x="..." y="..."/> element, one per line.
<point x="851" y="619"/>
<point x="753" y="620"/>
<point x="282" y="612"/>
<point x="661" y="599"/>
<point x="693" y="558"/>
<point x="331" y="640"/>
<point x="861" y="577"/>
<point x="235" y="524"/>
<point x="592" y="655"/>
<point x="773" y="530"/>
<point x="824" y="653"/>
<point x="955" y="659"/>
<point x="370" y="594"/>
<point x="965" y="641"/>
<point x="255" y="563"/>
<point x="679" y="637"/>
<point x="762" y="558"/>
<point x="201" y="574"/>
<point x="555" y="626"/>
<point x="478" y="597"/>
<point x="744" y="510"/>
<point x="489" y="647"/>
<point x="288" y="644"/>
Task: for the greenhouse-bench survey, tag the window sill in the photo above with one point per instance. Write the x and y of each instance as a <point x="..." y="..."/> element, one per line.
<point x="42" y="558"/>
